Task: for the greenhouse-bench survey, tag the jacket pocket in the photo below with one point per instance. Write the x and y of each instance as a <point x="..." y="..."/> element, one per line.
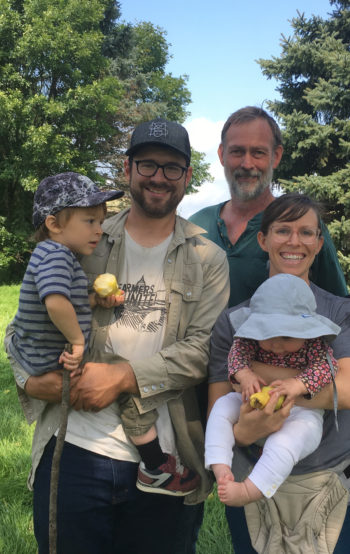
<point x="190" y="292"/>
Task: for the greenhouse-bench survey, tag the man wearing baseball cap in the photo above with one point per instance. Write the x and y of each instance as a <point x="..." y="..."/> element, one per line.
<point x="157" y="345"/>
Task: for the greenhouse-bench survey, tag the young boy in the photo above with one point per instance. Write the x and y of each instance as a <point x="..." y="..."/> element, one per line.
<point x="280" y="328"/>
<point x="54" y="305"/>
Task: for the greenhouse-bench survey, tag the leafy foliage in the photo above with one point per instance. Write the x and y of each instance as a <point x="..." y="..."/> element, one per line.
<point x="73" y="84"/>
<point x="14" y="255"/>
<point x="138" y="56"/>
<point x="200" y="172"/>
<point x="313" y="72"/>
<point x="56" y="96"/>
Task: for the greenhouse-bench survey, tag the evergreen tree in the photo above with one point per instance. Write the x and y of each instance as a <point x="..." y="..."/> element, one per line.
<point x="313" y="74"/>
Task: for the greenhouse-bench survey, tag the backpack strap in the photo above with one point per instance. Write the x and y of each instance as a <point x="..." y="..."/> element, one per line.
<point x="335" y="392"/>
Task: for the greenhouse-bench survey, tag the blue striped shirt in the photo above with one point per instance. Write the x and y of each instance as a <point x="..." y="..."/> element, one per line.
<point x="52" y="269"/>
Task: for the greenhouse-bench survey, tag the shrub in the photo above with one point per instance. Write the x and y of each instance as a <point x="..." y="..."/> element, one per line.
<point x="15" y="252"/>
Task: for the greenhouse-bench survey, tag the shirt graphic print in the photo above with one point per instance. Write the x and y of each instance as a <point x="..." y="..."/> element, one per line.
<point x="139" y="325"/>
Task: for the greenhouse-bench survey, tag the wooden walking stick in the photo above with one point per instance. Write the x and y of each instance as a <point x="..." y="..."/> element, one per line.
<point x="55" y="467"/>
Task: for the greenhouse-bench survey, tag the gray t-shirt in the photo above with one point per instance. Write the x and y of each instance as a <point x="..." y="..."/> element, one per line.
<point x="335" y="446"/>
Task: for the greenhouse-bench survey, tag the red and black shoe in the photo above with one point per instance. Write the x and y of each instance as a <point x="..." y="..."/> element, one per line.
<point x="166" y="480"/>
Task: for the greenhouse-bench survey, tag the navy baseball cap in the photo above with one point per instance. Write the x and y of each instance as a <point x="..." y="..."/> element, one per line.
<point x="161" y="132"/>
<point x="67" y="190"/>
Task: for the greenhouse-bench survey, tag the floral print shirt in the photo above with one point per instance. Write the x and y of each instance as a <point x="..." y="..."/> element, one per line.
<point x="311" y="359"/>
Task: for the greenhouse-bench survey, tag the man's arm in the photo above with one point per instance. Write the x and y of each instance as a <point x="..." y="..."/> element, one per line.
<point x="100" y="384"/>
<point x="33" y="392"/>
<point x="47" y="387"/>
<point x="36" y="391"/>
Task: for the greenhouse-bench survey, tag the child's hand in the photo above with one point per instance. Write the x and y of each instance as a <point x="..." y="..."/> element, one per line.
<point x="290" y="388"/>
<point x="71" y="362"/>
<point x="110" y="301"/>
<point x="249" y="381"/>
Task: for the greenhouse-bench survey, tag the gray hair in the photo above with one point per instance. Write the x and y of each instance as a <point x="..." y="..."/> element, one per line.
<point x="250" y="113"/>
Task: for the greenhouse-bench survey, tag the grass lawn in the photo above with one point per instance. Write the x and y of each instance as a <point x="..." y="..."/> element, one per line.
<point x="16" y="524"/>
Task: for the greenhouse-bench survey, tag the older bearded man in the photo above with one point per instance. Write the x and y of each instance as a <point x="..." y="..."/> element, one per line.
<point x="251" y="148"/>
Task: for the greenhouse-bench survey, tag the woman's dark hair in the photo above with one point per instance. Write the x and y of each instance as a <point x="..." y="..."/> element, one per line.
<point x="289" y="207"/>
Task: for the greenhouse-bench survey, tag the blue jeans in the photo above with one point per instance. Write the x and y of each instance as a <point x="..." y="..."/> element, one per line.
<point x="100" y="510"/>
<point x="241" y="539"/>
<point x="239" y="530"/>
<point x="343" y="544"/>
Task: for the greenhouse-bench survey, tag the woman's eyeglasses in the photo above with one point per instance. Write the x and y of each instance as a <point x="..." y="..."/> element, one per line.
<point x="306" y="235"/>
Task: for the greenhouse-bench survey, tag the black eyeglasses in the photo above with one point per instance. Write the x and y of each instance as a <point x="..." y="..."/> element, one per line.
<point x="148" y="168"/>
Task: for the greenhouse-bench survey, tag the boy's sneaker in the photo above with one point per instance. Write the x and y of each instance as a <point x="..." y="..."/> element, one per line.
<point x="166" y="480"/>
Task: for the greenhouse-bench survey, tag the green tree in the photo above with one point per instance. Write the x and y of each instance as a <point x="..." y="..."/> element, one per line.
<point x="201" y="172"/>
<point x="73" y="83"/>
<point x="57" y="99"/>
<point x="313" y="74"/>
<point x="139" y="55"/>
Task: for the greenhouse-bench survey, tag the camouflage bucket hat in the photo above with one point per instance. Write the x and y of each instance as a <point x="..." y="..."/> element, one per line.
<point x="67" y="190"/>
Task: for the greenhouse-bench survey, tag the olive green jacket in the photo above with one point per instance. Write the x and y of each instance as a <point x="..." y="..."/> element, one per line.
<point x="197" y="290"/>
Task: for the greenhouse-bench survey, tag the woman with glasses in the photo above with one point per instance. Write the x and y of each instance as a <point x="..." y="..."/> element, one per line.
<point x="290" y="233"/>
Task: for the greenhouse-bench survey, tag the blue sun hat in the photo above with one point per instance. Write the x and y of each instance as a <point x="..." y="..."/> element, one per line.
<point x="283" y="306"/>
<point x="67" y="190"/>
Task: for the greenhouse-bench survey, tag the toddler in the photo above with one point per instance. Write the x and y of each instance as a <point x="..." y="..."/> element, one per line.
<point x="54" y="305"/>
<point x="281" y="328"/>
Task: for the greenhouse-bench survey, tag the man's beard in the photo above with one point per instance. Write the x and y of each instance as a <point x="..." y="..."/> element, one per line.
<point x="154" y="209"/>
<point x="245" y="192"/>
